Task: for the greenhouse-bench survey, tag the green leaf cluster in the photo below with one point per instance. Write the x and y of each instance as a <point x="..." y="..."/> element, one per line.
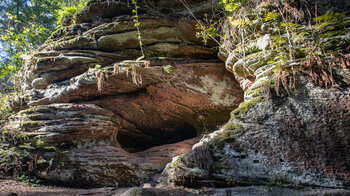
<point x="231" y="5"/>
<point x="331" y="21"/>
<point x="69" y="11"/>
<point x="137" y="24"/>
<point x="271" y="16"/>
<point x="25" y="25"/>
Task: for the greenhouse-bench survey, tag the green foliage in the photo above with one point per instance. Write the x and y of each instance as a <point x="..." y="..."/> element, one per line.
<point x="208" y="32"/>
<point x="306" y="46"/>
<point x="235" y="128"/>
<point x="329" y="22"/>
<point x="239" y="23"/>
<point x="179" y="161"/>
<point x="39" y="142"/>
<point x="271" y="16"/>
<point x="255" y="92"/>
<point x="11" y="159"/>
<point x="15" y="136"/>
<point x="52" y="148"/>
<point x="207" y="29"/>
<point x="66" y="13"/>
<point x="168" y="69"/>
<point x="231" y="5"/>
<point x="290" y="25"/>
<point x="29" y="180"/>
<point x="174" y="164"/>
<point x="4" y="112"/>
<point x="5" y="99"/>
<point x="26" y="24"/>
<point x="231" y="130"/>
<point x="244" y="107"/>
<point x="24" y="27"/>
<point x="7" y="159"/>
<point x="27" y="37"/>
<point x="137" y="25"/>
<point x="330" y="17"/>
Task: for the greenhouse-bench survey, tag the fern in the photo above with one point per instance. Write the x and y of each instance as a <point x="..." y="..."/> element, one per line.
<point x="231" y="5"/>
<point x="329" y="22"/>
<point x="241" y="23"/>
<point x="271" y="16"/>
<point x="329" y="17"/>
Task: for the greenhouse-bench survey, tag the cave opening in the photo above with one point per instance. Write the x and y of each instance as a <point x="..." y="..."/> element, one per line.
<point x="134" y="141"/>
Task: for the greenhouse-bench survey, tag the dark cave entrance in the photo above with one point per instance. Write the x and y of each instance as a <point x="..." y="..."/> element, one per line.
<point x="141" y="138"/>
<point x="135" y="141"/>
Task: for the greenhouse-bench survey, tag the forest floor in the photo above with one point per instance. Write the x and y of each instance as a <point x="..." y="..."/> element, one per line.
<point x="12" y="187"/>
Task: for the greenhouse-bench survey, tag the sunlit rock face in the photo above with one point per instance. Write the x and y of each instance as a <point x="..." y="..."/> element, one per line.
<point x="95" y="116"/>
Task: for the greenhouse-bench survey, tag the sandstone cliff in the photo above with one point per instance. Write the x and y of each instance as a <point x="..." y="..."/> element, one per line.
<point x="92" y="115"/>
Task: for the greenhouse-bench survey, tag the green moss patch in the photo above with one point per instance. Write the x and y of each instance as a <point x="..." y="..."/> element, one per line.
<point x="255" y="93"/>
<point x="231" y="130"/>
<point x="245" y="106"/>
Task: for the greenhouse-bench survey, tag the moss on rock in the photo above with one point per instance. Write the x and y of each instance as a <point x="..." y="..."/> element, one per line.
<point x="246" y="106"/>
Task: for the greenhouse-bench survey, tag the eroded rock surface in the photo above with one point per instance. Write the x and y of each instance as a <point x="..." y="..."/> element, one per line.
<point x="93" y="116"/>
<point x="289" y="131"/>
<point x="299" y="140"/>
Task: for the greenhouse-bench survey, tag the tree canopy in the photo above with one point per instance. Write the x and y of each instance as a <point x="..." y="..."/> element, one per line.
<point x="24" y="25"/>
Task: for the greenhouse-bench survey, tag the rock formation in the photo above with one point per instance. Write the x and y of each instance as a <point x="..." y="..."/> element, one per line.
<point x="94" y="116"/>
<point x="289" y="131"/>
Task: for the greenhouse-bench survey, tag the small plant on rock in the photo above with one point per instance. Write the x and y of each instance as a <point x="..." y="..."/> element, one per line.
<point x="65" y="15"/>
<point x="137" y="25"/>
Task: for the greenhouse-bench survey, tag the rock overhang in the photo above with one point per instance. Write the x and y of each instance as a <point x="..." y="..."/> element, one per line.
<point x="83" y="103"/>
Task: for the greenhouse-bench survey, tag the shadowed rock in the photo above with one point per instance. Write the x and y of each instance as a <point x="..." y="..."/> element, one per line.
<point x="293" y="127"/>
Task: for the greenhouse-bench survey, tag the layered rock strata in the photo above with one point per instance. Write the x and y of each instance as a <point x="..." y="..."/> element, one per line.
<point x="94" y="116"/>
